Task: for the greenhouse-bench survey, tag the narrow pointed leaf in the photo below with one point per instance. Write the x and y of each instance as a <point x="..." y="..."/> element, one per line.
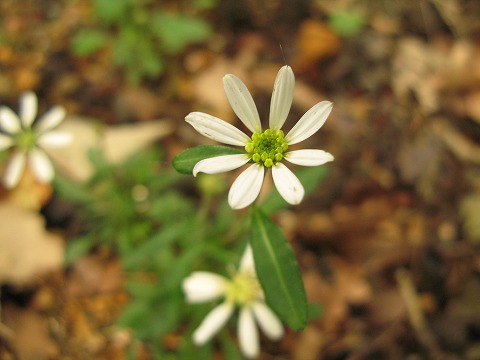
<point x="278" y="271"/>
<point x="186" y="160"/>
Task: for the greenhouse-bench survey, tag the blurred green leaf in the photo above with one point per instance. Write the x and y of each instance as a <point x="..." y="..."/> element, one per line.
<point x="88" y="41"/>
<point x="71" y="190"/>
<point x="135" y="51"/>
<point x="170" y="208"/>
<point x="143" y="290"/>
<point x="144" y="252"/>
<point x="315" y="311"/>
<point x="176" y="31"/>
<point x="111" y="11"/>
<point x="278" y="271"/>
<point x="78" y="247"/>
<point x="182" y="265"/>
<point x="230" y="348"/>
<point x="152" y="319"/>
<point x="347" y="22"/>
<point x="140" y="34"/>
<point x="205" y="4"/>
<point x="188" y="350"/>
<point x="186" y="160"/>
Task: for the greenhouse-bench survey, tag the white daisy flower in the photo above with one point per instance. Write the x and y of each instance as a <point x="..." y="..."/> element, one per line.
<point x="27" y="138"/>
<point x="242" y="290"/>
<point x="265" y="149"/>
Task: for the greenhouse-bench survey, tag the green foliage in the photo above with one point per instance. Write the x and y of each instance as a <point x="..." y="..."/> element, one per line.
<point x="315" y="311"/>
<point x="204" y="4"/>
<point x="124" y="205"/>
<point x="140" y="35"/>
<point x="278" y="271"/>
<point x="347" y="22"/>
<point x="175" y="32"/>
<point x="110" y="12"/>
<point x="88" y="41"/>
<point x="137" y="209"/>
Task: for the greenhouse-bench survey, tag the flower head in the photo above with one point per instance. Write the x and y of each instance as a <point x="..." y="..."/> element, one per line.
<point x="264" y="149"/>
<point x="27" y="138"/>
<point x="244" y="291"/>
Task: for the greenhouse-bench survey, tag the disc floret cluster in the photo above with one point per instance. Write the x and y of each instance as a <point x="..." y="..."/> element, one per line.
<point x="267" y="148"/>
<point x="244" y="289"/>
<point x="26" y="139"/>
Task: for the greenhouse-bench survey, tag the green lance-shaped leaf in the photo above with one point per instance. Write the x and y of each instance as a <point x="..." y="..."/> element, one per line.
<point x="186" y="160"/>
<point x="278" y="271"/>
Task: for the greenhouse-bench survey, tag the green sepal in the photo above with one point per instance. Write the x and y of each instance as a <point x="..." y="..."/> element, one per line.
<point x="278" y="271"/>
<point x="186" y="160"/>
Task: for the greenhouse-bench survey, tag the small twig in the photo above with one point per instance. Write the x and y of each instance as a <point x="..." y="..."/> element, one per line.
<point x="449" y="12"/>
<point x="416" y="316"/>
<point x="458" y="143"/>
<point x="384" y="340"/>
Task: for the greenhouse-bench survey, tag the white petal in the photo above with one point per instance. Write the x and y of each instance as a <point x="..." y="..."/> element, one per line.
<point x="287" y="184"/>
<point x="267" y="320"/>
<point x="246" y="187"/>
<point x="54" y="139"/>
<point x="41" y="165"/>
<point x="212" y="323"/>
<point x="28" y="108"/>
<point x="282" y="97"/>
<point x="241" y="102"/>
<point x="310" y="123"/>
<point x="5" y="142"/>
<point x="219" y="164"/>
<point x="309" y="157"/>
<point x="9" y="121"/>
<point x="14" y="170"/>
<point x="217" y="129"/>
<point x="247" y="263"/>
<point x="50" y="119"/>
<point x="203" y="286"/>
<point x="248" y="334"/>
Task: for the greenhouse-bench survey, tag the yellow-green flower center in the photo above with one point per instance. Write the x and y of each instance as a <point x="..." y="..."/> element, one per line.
<point x="26" y="139"/>
<point x="243" y="289"/>
<point x="267" y="148"/>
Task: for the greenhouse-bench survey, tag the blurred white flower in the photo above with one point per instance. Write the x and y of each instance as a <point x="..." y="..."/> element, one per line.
<point x="266" y="149"/>
<point x="242" y="290"/>
<point x="27" y="138"/>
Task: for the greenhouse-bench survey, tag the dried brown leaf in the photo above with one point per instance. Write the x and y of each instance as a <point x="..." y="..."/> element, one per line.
<point x="315" y="41"/>
<point x="459" y="144"/>
<point x="26" y="248"/>
<point x="117" y="143"/>
<point x="416" y="69"/>
<point x="31" y="339"/>
<point x="470" y="212"/>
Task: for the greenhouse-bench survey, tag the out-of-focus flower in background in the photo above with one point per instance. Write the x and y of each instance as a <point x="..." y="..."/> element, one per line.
<point x="242" y="290"/>
<point x="27" y="138"/>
